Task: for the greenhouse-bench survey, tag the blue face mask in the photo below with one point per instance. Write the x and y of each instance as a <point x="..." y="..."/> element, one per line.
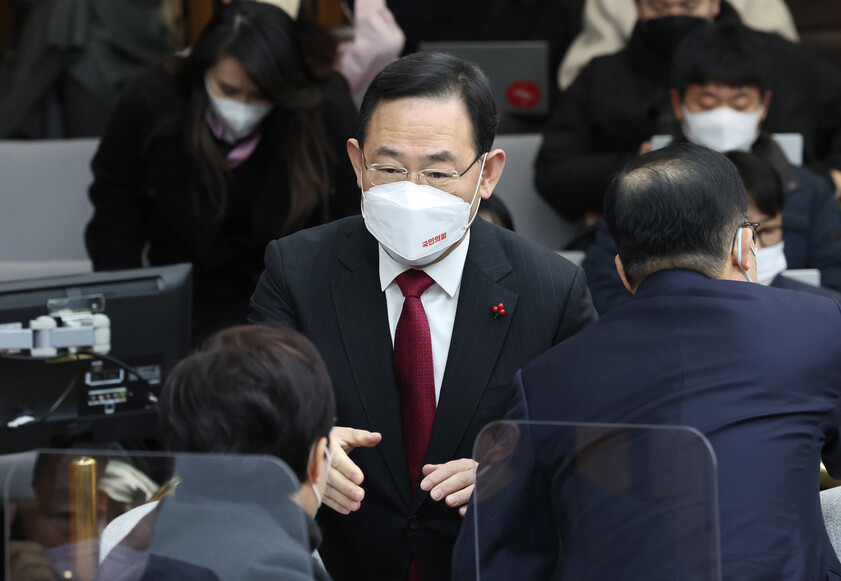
<point x="739" y="250"/>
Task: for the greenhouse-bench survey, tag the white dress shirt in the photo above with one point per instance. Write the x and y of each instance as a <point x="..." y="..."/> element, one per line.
<point x="439" y="301"/>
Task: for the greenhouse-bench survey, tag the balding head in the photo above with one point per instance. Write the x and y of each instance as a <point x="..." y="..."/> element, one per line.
<point x="678" y="207"/>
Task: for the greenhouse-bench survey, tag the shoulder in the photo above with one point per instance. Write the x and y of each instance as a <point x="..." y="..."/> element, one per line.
<point x="533" y="265"/>
<point x="784" y="282"/>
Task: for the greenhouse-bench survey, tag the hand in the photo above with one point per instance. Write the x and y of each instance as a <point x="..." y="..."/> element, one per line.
<point x="645" y="147"/>
<point x="28" y="562"/>
<point x="453" y="482"/>
<point x="344" y="493"/>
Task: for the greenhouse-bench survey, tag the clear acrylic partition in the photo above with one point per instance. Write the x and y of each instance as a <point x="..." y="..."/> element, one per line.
<point x="594" y="501"/>
<point x="116" y="516"/>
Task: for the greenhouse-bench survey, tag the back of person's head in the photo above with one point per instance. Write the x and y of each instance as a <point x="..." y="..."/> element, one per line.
<point x="730" y="55"/>
<point x="677" y="207"/>
<point x="762" y="181"/>
<point x="250" y="390"/>
<point x="435" y="75"/>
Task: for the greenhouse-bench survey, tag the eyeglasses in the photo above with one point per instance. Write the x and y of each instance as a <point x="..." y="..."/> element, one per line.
<point x="767" y="235"/>
<point x="752" y="225"/>
<point x="437" y="178"/>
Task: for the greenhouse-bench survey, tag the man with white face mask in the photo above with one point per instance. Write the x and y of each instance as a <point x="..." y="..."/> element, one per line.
<point x="423" y="313"/>
<point x="720" y="94"/>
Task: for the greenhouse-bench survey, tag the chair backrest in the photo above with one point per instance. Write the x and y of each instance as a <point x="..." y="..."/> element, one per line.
<point x="44" y="202"/>
<point x="533" y="217"/>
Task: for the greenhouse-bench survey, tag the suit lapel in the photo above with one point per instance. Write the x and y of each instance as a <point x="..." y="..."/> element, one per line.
<point x="475" y="345"/>
<point x="363" y="322"/>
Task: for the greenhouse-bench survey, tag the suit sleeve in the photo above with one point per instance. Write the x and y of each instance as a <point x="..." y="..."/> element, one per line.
<point x="272" y="301"/>
<point x="571" y="172"/>
<point x="116" y="235"/>
<point x="578" y="310"/>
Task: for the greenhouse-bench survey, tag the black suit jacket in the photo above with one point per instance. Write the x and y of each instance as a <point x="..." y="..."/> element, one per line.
<point x="325" y="283"/>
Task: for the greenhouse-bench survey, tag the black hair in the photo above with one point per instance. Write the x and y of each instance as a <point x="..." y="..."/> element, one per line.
<point x="729" y="54"/>
<point x="676" y="207"/>
<point x="251" y="389"/>
<point x="268" y="44"/>
<point x="762" y="181"/>
<point x="434" y="75"/>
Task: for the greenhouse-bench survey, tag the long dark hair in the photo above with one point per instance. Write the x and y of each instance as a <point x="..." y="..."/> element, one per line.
<point x="268" y="45"/>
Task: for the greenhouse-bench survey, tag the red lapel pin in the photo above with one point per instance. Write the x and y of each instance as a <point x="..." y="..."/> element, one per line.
<point x="498" y="310"/>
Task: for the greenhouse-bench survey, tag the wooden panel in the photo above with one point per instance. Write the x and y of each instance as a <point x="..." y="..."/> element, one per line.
<point x="199" y="13"/>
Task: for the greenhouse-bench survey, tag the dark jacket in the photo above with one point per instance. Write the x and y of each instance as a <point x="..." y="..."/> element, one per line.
<point x="812" y="233"/>
<point x="325" y="283"/>
<point x="149" y="189"/>
<point x="756" y="370"/>
<point x="619" y="101"/>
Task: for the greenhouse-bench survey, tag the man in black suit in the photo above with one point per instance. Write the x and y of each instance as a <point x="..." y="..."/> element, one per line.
<point x="426" y="372"/>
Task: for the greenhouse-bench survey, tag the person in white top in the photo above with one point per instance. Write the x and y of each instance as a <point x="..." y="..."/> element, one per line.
<point x="608" y="24"/>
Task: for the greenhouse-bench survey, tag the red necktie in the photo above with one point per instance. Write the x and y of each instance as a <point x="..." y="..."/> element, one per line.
<point x="414" y="372"/>
<point x="415" y="377"/>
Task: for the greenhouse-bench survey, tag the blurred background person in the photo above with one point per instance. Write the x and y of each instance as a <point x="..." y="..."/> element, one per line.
<point x="721" y="95"/>
<point x="618" y="102"/>
<point x="74" y="60"/>
<point x="607" y="26"/>
<point x="766" y="202"/>
<point x="208" y="158"/>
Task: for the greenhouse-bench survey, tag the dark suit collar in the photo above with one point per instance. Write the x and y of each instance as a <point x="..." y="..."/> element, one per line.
<point x="679" y="281"/>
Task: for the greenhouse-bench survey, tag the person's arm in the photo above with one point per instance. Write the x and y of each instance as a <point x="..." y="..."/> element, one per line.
<point x="767" y="16"/>
<point x="831" y="452"/>
<point x="602" y="276"/>
<point x="116" y="234"/>
<point x="272" y="302"/>
<point x="571" y="171"/>
<point x="606" y="28"/>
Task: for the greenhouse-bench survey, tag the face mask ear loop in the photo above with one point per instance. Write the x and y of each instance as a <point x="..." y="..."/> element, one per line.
<point x="745" y="272"/>
<point x="476" y="192"/>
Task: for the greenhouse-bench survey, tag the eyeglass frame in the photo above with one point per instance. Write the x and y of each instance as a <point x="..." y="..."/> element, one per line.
<point x="769" y="229"/>
<point x="745" y="224"/>
<point x="406" y="173"/>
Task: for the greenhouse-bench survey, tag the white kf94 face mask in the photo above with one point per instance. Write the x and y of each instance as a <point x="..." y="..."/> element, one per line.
<point x="239" y="119"/>
<point x="722" y="129"/>
<point x="416" y="224"/>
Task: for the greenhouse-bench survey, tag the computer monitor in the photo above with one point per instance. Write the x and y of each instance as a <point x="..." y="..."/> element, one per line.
<point x="91" y="398"/>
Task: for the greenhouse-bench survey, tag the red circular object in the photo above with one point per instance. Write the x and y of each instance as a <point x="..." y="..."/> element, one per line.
<point x="502" y="311"/>
<point x="500" y="305"/>
<point x="495" y="309"/>
<point x="523" y="94"/>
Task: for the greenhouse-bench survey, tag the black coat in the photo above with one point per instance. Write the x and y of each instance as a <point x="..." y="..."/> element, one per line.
<point x="149" y="190"/>
<point x="619" y="101"/>
<point x="325" y="283"/>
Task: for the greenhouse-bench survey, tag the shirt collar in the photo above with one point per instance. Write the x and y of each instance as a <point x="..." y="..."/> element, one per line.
<point x="446" y="273"/>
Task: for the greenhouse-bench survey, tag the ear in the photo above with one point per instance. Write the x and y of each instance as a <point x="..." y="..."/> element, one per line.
<point x="494" y="165"/>
<point x="620" y="268"/>
<point x="354" y="152"/>
<point x="766" y="102"/>
<point x="742" y="260"/>
<point x="317" y="469"/>
<point x="674" y="97"/>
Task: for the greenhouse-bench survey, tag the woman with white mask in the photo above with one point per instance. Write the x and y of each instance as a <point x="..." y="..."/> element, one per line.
<point x="214" y="154"/>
